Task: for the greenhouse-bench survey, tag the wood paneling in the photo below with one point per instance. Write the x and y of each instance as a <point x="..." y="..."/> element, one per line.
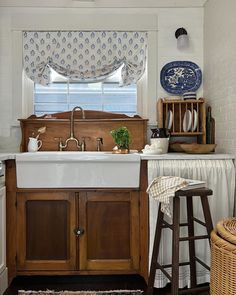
<point x="96" y="124"/>
<point x="110" y="221"/>
<point x="111" y="224"/>
<point x="47" y="230"/>
<point x="46" y="221"/>
<point x="11" y="222"/>
<point x="45" y="237"/>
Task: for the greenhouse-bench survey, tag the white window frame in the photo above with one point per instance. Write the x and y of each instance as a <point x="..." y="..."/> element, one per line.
<point x="22" y="86"/>
<point x="114" y="78"/>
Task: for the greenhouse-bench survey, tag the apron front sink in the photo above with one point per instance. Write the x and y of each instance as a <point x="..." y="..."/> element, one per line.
<point x="77" y="170"/>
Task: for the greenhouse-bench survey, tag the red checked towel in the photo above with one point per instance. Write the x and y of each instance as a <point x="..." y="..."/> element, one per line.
<point x="163" y="188"/>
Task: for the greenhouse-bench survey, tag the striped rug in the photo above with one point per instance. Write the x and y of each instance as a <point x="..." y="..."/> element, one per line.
<point x="111" y="292"/>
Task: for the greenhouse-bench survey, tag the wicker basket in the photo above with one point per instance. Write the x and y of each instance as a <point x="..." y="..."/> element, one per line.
<point x="223" y="258"/>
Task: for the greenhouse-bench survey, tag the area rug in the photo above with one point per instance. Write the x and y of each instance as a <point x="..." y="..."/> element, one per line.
<point x="112" y="292"/>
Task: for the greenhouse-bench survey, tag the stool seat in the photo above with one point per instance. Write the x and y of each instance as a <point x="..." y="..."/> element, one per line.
<point x="203" y="193"/>
<point x="197" y="192"/>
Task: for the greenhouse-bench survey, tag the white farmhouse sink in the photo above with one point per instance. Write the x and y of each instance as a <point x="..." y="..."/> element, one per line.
<point x="77" y="170"/>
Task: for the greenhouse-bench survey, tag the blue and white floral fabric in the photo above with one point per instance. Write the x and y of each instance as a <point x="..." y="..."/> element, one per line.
<point x="84" y="56"/>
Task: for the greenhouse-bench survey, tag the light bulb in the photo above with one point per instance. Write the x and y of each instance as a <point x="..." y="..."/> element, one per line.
<point x="182" y="41"/>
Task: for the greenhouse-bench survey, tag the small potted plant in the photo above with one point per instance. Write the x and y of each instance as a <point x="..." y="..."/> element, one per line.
<point x="122" y="140"/>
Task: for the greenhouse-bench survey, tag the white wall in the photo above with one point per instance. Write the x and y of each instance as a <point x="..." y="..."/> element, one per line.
<point x="220" y="69"/>
<point x="162" y="44"/>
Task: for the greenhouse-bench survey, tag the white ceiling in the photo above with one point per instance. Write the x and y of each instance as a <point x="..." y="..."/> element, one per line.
<point x="103" y="3"/>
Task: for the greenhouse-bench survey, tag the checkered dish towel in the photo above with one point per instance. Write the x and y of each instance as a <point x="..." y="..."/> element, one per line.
<point x="162" y="188"/>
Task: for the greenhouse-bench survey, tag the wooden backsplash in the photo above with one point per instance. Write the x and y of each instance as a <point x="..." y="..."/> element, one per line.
<point x="96" y="124"/>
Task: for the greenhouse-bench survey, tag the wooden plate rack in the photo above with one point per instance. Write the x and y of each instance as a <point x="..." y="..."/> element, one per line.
<point x="178" y="108"/>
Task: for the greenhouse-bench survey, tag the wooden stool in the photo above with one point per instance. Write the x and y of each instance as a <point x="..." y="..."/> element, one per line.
<point x="203" y="193"/>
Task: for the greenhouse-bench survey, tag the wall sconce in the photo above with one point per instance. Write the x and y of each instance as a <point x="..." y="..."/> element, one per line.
<point x="182" y="38"/>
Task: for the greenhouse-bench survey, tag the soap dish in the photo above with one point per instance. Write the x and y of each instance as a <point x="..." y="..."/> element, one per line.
<point x="152" y="151"/>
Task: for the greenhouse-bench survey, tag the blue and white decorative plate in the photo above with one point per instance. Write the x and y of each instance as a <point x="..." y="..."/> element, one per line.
<point x="178" y="77"/>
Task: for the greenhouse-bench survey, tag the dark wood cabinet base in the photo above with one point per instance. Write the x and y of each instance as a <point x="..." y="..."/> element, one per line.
<point x="76" y="231"/>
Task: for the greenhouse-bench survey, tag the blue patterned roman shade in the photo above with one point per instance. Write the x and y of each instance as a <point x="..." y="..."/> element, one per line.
<point x="84" y="56"/>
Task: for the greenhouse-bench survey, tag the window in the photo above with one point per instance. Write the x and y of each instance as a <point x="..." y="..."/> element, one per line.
<point x="63" y="95"/>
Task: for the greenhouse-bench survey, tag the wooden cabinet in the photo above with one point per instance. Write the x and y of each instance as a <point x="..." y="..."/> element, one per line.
<point x="84" y="231"/>
<point x="42" y="226"/>
<point x="45" y="238"/>
<point x="110" y="221"/>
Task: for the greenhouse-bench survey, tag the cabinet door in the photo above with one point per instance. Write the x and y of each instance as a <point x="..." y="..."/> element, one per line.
<point x="45" y="225"/>
<point x="111" y="231"/>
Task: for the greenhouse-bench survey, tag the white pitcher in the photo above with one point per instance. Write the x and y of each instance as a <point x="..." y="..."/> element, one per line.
<point x="34" y="144"/>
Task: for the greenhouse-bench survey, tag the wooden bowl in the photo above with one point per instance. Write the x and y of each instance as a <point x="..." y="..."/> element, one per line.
<point x="175" y="147"/>
<point x="195" y="148"/>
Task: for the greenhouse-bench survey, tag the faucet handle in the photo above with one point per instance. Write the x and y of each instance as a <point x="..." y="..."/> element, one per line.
<point x="100" y="139"/>
<point x="83" y="144"/>
<point x="99" y="143"/>
<point x="60" y="144"/>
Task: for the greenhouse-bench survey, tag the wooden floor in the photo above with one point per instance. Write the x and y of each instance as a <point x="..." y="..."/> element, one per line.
<point x="77" y="283"/>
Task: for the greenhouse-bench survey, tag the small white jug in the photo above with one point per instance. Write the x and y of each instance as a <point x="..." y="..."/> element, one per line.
<point x="34" y="144"/>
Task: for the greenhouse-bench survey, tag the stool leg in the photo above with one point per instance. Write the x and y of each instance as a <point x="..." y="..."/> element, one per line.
<point x="155" y="251"/>
<point x="207" y="216"/>
<point x="191" y="243"/>
<point x="175" y="247"/>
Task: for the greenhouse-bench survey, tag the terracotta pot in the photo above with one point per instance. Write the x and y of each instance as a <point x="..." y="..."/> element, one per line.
<point x="120" y="151"/>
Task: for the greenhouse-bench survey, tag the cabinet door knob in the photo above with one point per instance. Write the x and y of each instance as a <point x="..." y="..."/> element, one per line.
<point x="78" y="231"/>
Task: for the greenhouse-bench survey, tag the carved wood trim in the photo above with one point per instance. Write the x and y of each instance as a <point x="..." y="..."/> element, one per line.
<point x="96" y="124"/>
<point x="89" y="114"/>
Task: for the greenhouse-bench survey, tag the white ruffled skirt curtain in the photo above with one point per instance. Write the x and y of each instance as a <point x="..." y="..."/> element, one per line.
<point x="220" y="177"/>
